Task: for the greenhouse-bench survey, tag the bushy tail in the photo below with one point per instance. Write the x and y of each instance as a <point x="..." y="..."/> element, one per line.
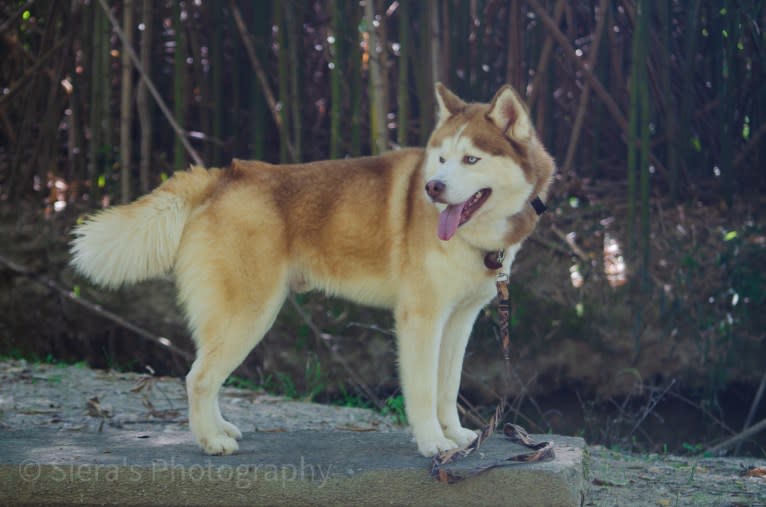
<point x="130" y="243"/>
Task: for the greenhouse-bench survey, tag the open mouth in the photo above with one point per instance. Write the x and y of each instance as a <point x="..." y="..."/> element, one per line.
<point x="455" y="215"/>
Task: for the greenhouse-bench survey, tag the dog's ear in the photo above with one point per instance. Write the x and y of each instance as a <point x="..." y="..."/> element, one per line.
<point x="509" y="113"/>
<point x="448" y="104"/>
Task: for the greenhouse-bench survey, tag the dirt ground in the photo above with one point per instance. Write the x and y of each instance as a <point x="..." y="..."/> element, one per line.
<point x="76" y="398"/>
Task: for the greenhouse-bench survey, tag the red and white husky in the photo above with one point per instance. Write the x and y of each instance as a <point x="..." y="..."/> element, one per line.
<point x="408" y="230"/>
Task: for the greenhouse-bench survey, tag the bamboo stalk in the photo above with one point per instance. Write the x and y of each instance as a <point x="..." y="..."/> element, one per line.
<point x="634" y="116"/>
<point x="403" y="93"/>
<point x="233" y="101"/>
<point x="293" y="15"/>
<point x="261" y="21"/>
<point x="283" y="84"/>
<point x="96" y="86"/>
<point x="688" y="79"/>
<point x="43" y="154"/>
<point x="437" y="73"/>
<point x="727" y="112"/>
<point x="670" y="103"/>
<point x="443" y="35"/>
<point x="126" y="104"/>
<point x="514" y="58"/>
<point x="378" y="131"/>
<point x="644" y="6"/>
<point x="142" y="99"/>
<point x="180" y="85"/>
<point x="76" y="135"/>
<point x="422" y="64"/>
<point x="105" y="118"/>
<point x="10" y="131"/>
<point x="336" y="32"/>
<point x="216" y="73"/>
<point x="200" y="79"/>
<point x="355" y="71"/>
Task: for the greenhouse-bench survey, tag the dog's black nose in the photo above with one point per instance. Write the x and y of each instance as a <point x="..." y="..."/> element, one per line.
<point x="435" y="188"/>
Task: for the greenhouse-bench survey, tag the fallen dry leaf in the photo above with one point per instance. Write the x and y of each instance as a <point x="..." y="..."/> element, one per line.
<point x="759" y="472"/>
<point x="96" y="409"/>
<point x="143" y="383"/>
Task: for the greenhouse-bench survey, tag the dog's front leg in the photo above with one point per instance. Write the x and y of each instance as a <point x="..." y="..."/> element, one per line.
<point x="456" y="334"/>
<point x="419" y="333"/>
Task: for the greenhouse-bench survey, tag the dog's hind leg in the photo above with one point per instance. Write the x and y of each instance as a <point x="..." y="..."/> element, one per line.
<point x="230" y="308"/>
<point x="223" y="345"/>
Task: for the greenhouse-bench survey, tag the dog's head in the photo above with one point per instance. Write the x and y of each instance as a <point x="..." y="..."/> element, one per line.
<point x="483" y="164"/>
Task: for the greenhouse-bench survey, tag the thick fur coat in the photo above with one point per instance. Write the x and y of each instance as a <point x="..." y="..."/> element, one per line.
<point x="407" y="230"/>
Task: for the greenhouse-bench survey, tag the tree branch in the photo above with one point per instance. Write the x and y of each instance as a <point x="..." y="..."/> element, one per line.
<point x="598" y="88"/>
<point x="157" y="97"/>
<point x="545" y="56"/>
<point x="93" y="307"/>
<point x="322" y="337"/>
<point x="749" y="432"/>
<point x="261" y="75"/>
<point x="31" y="72"/>
<point x="16" y="15"/>
<point x="585" y="95"/>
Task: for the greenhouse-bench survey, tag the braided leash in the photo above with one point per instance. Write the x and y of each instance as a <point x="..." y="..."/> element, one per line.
<point x="539" y="451"/>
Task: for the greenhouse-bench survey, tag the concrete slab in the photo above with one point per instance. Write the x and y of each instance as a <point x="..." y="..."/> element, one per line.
<point x="295" y="468"/>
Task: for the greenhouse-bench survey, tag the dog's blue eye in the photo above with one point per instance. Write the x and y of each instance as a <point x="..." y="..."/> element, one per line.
<point x="441" y="160"/>
<point x="470" y="159"/>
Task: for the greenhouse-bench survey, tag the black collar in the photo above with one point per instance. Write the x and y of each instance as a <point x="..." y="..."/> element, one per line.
<point x="494" y="260"/>
<point x="539" y="205"/>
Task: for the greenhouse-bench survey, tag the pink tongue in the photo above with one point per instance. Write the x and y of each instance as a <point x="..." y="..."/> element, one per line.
<point x="449" y="219"/>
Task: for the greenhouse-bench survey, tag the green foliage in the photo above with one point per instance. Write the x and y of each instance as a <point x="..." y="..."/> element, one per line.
<point x="315" y="382"/>
<point x="286" y="386"/>
<point x="347" y="399"/>
<point x="726" y="315"/>
<point x="282" y="384"/>
<point x="692" y="448"/>
<point x="17" y="354"/>
<point x="743" y="288"/>
<point x="395" y="408"/>
<point x="242" y="383"/>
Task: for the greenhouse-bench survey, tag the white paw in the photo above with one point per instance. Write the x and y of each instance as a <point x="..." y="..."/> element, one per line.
<point x="218" y="444"/>
<point x="434" y="445"/>
<point x="230" y="430"/>
<point x="461" y="436"/>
